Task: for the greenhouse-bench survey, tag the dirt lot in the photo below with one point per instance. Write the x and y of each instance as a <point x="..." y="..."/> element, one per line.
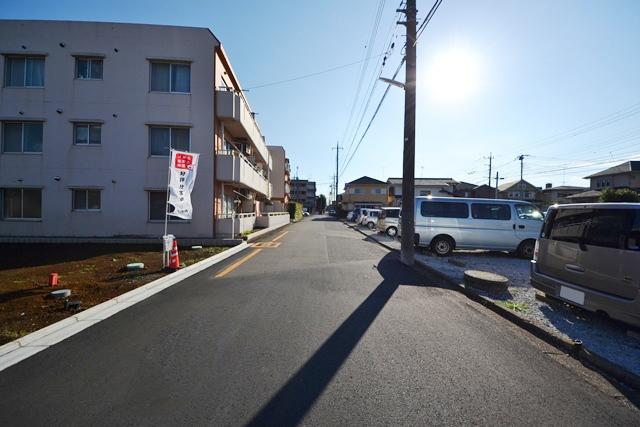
<point x="93" y="272"/>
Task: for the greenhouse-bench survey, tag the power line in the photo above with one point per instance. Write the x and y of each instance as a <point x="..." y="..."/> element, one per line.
<point x="365" y="64"/>
<point x="305" y="76"/>
<point x="424" y="24"/>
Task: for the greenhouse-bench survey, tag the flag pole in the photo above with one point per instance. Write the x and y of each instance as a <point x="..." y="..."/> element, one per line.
<point x="166" y="209"/>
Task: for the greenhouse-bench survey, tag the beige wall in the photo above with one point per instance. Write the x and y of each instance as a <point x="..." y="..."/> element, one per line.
<point x="277" y="171"/>
<point x="631" y="180"/>
<point x="121" y="165"/>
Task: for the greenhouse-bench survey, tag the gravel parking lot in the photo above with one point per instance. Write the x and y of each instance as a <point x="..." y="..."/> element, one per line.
<point x="608" y="338"/>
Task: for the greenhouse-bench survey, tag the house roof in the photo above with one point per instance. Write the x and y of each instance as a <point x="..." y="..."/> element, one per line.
<point x="630" y="166"/>
<point x="461" y="185"/>
<point x="508" y="185"/>
<point x="440" y="182"/>
<point x="589" y="193"/>
<point x="365" y="180"/>
<point x="566" y="188"/>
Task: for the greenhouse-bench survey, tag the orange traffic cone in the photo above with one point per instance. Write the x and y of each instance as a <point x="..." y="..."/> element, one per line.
<point x="174" y="258"/>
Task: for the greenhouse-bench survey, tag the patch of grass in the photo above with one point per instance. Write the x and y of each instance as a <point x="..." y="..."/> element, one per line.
<point x="11" y="335"/>
<point x="518" y="307"/>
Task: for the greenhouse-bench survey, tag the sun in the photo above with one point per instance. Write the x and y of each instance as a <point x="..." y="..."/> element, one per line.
<point x="453" y="75"/>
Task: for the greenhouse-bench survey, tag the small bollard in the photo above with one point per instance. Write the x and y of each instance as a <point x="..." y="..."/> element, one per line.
<point x="53" y="279"/>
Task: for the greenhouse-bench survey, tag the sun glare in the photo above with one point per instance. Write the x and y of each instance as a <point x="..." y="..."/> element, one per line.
<point x="452" y="76"/>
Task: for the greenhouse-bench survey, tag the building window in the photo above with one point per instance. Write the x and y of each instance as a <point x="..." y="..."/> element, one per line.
<point x="87" y="134"/>
<point x="86" y="200"/>
<point x="425" y="192"/>
<point x="21" y="203"/>
<point x="22" y="137"/>
<point x="89" y="68"/>
<point x="162" y="139"/>
<point x="357" y="191"/>
<point x="158" y="205"/>
<point x="24" y="71"/>
<point x="170" y="77"/>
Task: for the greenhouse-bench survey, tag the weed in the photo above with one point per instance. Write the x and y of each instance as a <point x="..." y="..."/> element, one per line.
<point x="518" y="307"/>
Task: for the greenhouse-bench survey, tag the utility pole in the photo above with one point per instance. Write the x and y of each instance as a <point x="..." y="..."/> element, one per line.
<point x="407" y="250"/>
<point x="497" y="182"/>
<point x="521" y="158"/>
<point x="490" y="158"/>
<point x="337" y="148"/>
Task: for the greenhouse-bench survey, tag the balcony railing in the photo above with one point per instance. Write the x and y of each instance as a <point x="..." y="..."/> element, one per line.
<point x="234" y="112"/>
<point x="232" y="166"/>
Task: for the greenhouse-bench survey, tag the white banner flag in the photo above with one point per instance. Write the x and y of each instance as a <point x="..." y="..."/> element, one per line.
<point x="182" y="173"/>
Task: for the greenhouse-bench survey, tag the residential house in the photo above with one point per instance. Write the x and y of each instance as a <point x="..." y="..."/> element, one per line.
<point x="625" y="175"/>
<point x="560" y="194"/>
<point x="88" y="123"/>
<point x="442" y="187"/>
<point x="304" y="191"/>
<point x="482" y="191"/>
<point x="364" y="192"/>
<point x="589" y="196"/>
<point x="519" y="190"/>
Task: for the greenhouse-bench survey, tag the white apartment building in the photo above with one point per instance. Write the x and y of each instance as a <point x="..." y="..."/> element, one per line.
<point x="88" y="113"/>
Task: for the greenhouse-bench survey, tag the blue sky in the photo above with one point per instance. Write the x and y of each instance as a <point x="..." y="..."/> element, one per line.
<point x="531" y="69"/>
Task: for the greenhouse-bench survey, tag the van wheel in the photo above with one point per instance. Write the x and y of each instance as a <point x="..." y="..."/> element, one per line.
<point x="442" y="245"/>
<point x="371" y="226"/>
<point x="392" y="232"/>
<point x="526" y="249"/>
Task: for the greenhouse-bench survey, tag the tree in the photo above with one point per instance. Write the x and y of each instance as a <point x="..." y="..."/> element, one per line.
<point x="321" y="203"/>
<point x="609" y="195"/>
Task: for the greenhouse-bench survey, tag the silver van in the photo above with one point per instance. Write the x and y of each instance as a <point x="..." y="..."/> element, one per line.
<point x="589" y="256"/>
<point x="370" y="218"/>
<point x="447" y="223"/>
<point x="388" y="221"/>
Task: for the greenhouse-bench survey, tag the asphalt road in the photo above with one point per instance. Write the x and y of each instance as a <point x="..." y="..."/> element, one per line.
<point x="322" y="328"/>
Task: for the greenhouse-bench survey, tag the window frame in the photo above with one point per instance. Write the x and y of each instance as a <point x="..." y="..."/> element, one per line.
<point x="25" y="57"/>
<point x="89" y="125"/>
<point x="170" y="127"/>
<point x="21" y="218"/>
<point x="90" y="60"/>
<point x="86" y="199"/>
<point x="3" y="123"/>
<point x="171" y="64"/>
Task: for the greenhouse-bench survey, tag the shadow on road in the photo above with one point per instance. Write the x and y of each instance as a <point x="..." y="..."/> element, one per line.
<point x="324" y="218"/>
<point x="290" y="404"/>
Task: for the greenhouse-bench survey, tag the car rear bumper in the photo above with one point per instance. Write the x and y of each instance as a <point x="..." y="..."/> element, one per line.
<point x="622" y="309"/>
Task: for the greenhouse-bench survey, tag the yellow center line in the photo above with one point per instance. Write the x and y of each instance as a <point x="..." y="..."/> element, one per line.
<point x="237" y="264"/>
<point x="280" y="236"/>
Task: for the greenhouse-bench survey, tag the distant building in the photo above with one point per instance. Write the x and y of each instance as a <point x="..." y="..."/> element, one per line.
<point x="625" y="175"/>
<point x="364" y="192"/>
<point x="519" y="190"/>
<point x="552" y="195"/>
<point x="465" y="189"/>
<point x="280" y="181"/>
<point x="304" y="191"/>
<point x="590" y="196"/>
<point x="442" y="187"/>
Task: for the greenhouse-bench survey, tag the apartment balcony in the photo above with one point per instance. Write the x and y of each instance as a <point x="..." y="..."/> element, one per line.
<point x="287" y="188"/>
<point x="235" y="168"/>
<point x="234" y="112"/>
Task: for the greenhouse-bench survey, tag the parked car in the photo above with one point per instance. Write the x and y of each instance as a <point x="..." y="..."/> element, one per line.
<point x="371" y="218"/>
<point x="446" y="223"/>
<point x="361" y="215"/>
<point x="354" y="215"/>
<point x="388" y="221"/>
<point x="331" y="211"/>
<point x="305" y="213"/>
<point x="589" y="255"/>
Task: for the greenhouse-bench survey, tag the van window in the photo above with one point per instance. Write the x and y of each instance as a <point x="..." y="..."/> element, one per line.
<point x="525" y="211"/>
<point x="569" y="225"/>
<point x="490" y="211"/>
<point x="609" y="228"/>
<point x="444" y="210"/>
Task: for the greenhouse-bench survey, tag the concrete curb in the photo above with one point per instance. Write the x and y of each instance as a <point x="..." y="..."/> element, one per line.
<point x="253" y="236"/>
<point x="575" y="349"/>
<point x="18" y="350"/>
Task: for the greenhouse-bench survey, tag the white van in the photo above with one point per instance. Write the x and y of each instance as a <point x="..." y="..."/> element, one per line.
<point x="447" y="223"/>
